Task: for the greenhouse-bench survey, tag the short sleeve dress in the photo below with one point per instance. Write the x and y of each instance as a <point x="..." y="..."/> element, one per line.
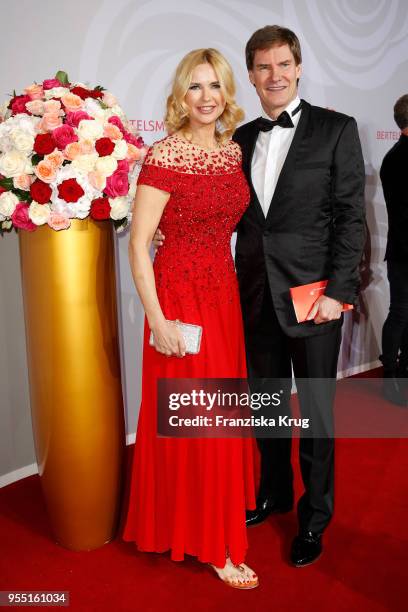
<point x="189" y="495"/>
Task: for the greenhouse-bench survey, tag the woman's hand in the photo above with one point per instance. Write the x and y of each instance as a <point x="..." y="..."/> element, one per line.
<point x="158" y="239"/>
<point x="168" y="339"/>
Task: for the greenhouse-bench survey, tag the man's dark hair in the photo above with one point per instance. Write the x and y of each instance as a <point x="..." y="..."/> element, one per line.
<point x="271" y="36"/>
<point x="401" y="112"/>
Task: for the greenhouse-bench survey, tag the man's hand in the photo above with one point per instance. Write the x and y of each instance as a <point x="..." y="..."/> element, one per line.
<point x="158" y="239"/>
<point x="325" y="309"/>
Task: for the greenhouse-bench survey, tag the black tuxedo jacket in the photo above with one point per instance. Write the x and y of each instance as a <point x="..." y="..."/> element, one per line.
<point x="315" y="227"/>
<point x="393" y="175"/>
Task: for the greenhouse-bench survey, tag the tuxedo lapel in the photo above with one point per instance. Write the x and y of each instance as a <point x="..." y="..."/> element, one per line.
<point x="287" y="174"/>
<point x="248" y="153"/>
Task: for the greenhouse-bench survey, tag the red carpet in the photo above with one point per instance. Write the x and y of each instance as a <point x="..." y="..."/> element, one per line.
<point x="363" y="568"/>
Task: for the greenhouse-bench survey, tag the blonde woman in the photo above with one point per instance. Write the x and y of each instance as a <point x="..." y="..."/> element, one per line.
<point x="189" y="496"/>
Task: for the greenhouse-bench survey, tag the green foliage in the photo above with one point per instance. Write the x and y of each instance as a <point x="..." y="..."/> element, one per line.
<point x="7" y="183"/>
<point x="36" y="158"/>
<point x="62" y="77"/>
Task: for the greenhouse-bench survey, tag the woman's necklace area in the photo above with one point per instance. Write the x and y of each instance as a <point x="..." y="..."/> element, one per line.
<point x="189" y="137"/>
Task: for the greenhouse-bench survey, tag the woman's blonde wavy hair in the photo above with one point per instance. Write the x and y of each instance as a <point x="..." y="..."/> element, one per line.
<point x="177" y="111"/>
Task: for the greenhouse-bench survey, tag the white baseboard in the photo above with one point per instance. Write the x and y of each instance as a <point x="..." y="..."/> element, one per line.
<point x="24" y="472"/>
<point x="29" y="470"/>
<point x="130" y="439"/>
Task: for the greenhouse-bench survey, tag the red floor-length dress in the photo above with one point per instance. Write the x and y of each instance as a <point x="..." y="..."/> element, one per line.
<point x="189" y="495"/>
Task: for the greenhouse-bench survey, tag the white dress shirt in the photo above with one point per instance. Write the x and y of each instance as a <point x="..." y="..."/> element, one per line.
<point x="269" y="156"/>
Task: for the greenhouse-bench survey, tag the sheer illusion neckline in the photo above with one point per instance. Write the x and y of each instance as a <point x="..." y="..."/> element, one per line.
<point x="218" y="149"/>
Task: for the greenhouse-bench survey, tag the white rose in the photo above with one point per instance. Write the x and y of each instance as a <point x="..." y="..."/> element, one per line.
<point x="119" y="207"/>
<point x="8" y="203"/>
<point x="85" y="163"/>
<point x="106" y="165"/>
<point x="55" y="92"/>
<point x="23" y="141"/>
<point x="14" y="163"/>
<point x="5" y="112"/>
<point x="109" y="99"/>
<point x="39" y="213"/>
<point x="93" y="108"/>
<point x="116" y="110"/>
<point x="120" y="150"/>
<point x="90" y="129"/>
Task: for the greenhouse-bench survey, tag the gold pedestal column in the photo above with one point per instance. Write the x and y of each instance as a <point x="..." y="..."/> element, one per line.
<point x="69" y="293"/>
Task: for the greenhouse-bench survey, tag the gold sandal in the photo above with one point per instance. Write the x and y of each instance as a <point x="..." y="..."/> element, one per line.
<point x="243" y="586"/>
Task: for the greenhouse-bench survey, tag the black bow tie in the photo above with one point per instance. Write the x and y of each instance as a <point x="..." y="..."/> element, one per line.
<point x="284" y="120"/>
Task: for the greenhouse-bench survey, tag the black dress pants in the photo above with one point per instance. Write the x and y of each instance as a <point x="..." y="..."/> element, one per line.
<point x="270" y="354"/>
<point x="395" y="330"/>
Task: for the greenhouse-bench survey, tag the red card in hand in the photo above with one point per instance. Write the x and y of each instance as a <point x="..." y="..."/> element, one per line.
<point x="304" y="297"/>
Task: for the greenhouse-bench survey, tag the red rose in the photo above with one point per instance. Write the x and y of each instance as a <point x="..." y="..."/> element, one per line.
<point x="44" y="144"/>
<point x="104" y="146"/>
<point x="18" y="104"/>
<point x="40" y="192"/>
<point x="100" y="209"/>
<point x="2" y="189"/>
<point x="84" y="93"/>
<point x="70" y="190"/>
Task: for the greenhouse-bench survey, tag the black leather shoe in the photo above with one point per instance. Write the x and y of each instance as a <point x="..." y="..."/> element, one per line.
<point x="306" y="548"/>
<point x="393" y="392"/>
<point x="264" y="507"/>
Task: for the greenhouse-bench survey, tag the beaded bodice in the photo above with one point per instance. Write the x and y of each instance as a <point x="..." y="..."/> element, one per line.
<point x="208" y="195"/>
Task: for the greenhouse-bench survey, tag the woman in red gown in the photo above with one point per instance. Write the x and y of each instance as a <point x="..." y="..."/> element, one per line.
<point x="189" y="495"/>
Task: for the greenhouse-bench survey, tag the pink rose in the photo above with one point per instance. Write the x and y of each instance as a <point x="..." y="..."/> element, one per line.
<point x="72" y="102"/>
<point x="21" y="219"/>
<point x="57" y="221"/>
<point x="34" y="91"/>
<point x="74" y="118"/>
<point x="49" y="122"/>
<point x="97" y="180"/>
<point x="116" y="121"/>
<point x="36" y="107"/>
<point x="53" y="106"/>
<point x="51" y="83"/>
<point x="133" y="153"/>
<point x="64" y="135"/>
<point x="112" y="131"/>
<point x="117" y="184"/>
<point x="137" y="141"/>
<point x="23" y="181"/>
<point x="123" y="166"/>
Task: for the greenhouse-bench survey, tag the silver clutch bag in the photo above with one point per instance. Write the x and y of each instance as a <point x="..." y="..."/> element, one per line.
<point x="191" y="334"/>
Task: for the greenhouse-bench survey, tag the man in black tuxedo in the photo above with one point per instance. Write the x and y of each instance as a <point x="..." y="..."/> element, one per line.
<point x="305" y="223"/>
<point x="393" y="175"/>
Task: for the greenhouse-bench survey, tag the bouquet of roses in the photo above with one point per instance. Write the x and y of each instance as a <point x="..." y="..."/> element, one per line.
<point x="66" y="152"/>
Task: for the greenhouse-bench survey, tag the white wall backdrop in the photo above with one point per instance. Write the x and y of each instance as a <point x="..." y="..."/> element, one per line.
<point x="355" y="60"/>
